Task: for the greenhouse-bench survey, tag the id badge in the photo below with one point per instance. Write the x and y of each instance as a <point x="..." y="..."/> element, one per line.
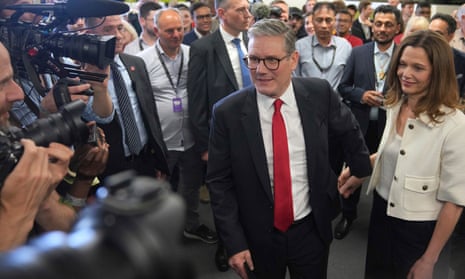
<point x="177" y="104"/>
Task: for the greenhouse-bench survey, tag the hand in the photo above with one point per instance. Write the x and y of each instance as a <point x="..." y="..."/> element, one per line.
<point x="422" y="269"/>
<point x="238" y="261"/>
<point x="98" y="86"/>
<point x="347" y="183"/>
<point x="204" y="156"/>
<point x="90" y="161"/>
<point x="48" y="102"/>
<point x="373" y="98"/>
<point x="35" y="176"/>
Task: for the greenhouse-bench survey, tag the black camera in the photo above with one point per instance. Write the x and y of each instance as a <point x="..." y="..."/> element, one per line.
<point x="133" y="231"/>
<point x="65" y="127"/>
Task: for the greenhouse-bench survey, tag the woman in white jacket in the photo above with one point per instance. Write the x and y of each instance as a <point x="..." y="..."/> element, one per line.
<point x="418" y="176"/>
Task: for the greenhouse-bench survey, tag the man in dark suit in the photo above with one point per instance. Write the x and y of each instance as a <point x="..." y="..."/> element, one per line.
<point x="446" y="25"/>
<point x="362" y="87"/>
<point x="203" y="19"/>
<point x="214" y="72"/>
<point x="150" y="158"/>
<point x="362" y="25"/>
<point x="264" y="233"/>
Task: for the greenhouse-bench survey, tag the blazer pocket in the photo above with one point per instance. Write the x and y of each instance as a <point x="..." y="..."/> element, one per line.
<point x="420" y="194"/>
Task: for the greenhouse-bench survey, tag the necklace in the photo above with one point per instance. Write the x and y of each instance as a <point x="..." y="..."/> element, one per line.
<point x="322" y="70"/>
<point x="382" y="73"/>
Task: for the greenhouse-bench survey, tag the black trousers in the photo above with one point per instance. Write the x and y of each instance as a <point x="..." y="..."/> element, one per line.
<point x="300" y="250"/>
<point x="394" y="245"/>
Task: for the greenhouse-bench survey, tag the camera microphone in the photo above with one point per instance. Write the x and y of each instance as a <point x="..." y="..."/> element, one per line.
<point x="75" y="8"/>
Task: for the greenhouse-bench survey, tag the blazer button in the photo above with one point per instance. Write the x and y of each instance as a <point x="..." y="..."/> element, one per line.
<point x="402" y="152"/>
<point x="395" y="178"/>
<point x="391" y="204"/>
<point x="425" y="187"/>
<point x="410" y="126"/>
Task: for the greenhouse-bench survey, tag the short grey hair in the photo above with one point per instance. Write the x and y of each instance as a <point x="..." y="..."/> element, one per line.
<point x="158" y="13"/>
<point x="271" y="28"/>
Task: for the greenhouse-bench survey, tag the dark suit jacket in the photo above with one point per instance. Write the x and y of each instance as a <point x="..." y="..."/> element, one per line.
<point x="210" y="78"/>
<point x="459" y="62"/>
<point x="357" y="30"/>
<point x="239" y="182"/>
<point x="156" y="146"/>
<point x="189" y="38"/>
<point x="359" y="76"/>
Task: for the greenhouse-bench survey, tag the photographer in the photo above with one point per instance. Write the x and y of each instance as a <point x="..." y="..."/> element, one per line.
<point x="27" y="191"/>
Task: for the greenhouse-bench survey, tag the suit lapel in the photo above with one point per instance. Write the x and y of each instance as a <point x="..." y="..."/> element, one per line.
<point x="310" y="125"/>
<point x="251" y="123"/>
<point x="219" y="46"/>
<point x="371" y="65"/>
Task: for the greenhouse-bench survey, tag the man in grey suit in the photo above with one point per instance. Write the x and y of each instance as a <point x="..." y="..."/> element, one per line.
<point x="362" y="87"/>
<point x="214" y="72"/>
<point x="246" y="188"/>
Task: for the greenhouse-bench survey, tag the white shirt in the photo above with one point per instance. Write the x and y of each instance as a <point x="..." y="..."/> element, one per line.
<point x="233" y="55"/>
<point x="296" y="145"/>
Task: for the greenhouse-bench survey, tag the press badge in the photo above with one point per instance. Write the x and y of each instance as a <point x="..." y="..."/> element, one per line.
<point x="177" y="104"/>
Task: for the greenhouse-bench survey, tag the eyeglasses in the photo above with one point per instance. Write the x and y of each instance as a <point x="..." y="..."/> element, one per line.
<point x="271" y="63"/>
<point x="386" y="24"/>
<point x="206" y="17"/>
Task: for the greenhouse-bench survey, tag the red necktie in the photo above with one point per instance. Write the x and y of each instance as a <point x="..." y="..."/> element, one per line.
<point x="283" y="212"/>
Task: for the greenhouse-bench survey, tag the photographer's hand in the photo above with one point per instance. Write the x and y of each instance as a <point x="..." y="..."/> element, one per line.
<point x="102" y="105"/>
<point x="27" y="186"/>
<point x="48" y="102"/>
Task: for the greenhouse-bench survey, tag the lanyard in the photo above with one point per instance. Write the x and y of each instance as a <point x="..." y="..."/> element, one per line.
<point x="166" y="69"/>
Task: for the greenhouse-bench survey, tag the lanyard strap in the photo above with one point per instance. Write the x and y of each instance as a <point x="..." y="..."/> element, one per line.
<point x="166" y="69"/>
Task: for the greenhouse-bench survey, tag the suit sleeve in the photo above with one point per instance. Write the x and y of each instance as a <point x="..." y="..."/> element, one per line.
<point x="220" y="182"/>
<point x="346" y="87"/>
<point x="197" y="90"/>
<point x="344" y="127"/>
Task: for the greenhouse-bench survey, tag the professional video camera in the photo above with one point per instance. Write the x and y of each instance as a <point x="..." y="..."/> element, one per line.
<point x="36" y="48"/>
<point x="65" y="127"/>
<point x="132" y="232"/>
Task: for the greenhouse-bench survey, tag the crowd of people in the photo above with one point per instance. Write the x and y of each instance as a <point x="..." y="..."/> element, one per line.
<point x="282" y="112"/>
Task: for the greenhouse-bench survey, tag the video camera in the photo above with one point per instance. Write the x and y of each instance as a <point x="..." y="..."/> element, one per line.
<point x="36" y="48"/>
<point x="132" y="232"/>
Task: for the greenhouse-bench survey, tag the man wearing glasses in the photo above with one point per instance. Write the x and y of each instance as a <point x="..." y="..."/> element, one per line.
<point x="216" y="69"/>
<point x="203" y="18"/>
<point x="273" y="193"/>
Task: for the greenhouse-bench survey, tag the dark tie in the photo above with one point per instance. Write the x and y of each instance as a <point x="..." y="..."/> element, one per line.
<point x="244" y="70"/>
<point x="133" y="140"/>
<point x="283" y="211"/>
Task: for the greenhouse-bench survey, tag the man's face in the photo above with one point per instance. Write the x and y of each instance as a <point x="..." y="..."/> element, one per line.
<point x="187" y="20"/>
<point x="295" y="22"/>
<point x="170" y="30"/>
<point x="385" y="28"/>
<point x="113" y="26"/>
<point x="9" y="89"/>
<point x="343" y="23"/>
<point x="407" y="11"/>
<point x="440" y="26"/>
<point x="324" y="22"/>
<point x="147" y="23"/>
<point x="424" y="12"/>
<point x="203" y="20"/>
<point x="272" y="83"/>
<point x="236" y="16"/>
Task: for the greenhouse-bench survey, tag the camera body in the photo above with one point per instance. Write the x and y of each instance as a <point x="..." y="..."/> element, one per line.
<point x="65" y="127"/>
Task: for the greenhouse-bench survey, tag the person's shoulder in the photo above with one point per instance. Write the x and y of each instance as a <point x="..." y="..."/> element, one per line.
<point x="362" y="49"/>
<point x="304" y="42"/>
<point x="235" y="99"/>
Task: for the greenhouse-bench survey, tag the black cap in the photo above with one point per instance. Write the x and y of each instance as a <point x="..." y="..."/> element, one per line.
<point x="295" y="12"/>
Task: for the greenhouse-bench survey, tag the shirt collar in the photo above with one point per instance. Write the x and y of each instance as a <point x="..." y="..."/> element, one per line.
<point x="288" y="98"/>
<point x="389" y="51"/>
<point x="228" y="37"/>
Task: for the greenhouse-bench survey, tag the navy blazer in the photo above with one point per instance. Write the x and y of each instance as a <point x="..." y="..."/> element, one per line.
<point x="459" y="62"/>
<point x="238" y="177"/>
<point x="210" y="78"/>
<point x="360" y="76"/>
<point x="190" y="37"/>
